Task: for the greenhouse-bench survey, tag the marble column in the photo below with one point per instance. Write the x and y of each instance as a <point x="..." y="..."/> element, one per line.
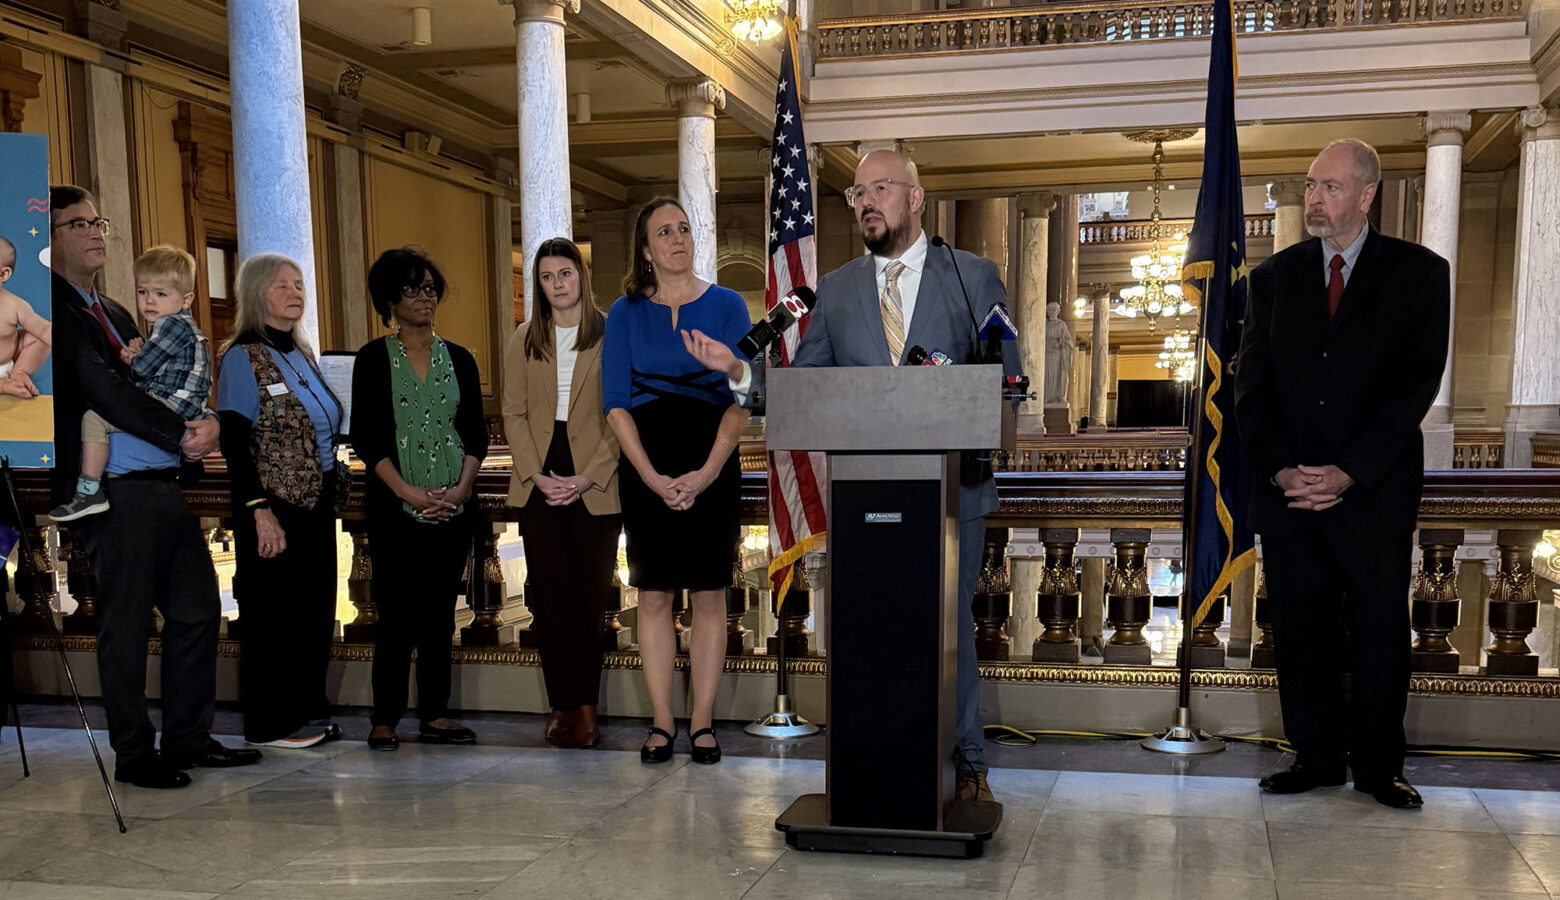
<point x="270" y="144"/>
<point x="981" y="227"/>
<point x="1099" y="364"/>
<point x="1535" y="391"/>
<point x="1443" y="205"/>
<point x="1288" y="211"/>
<point x="108" y="139"/>
<point x="1034" y="243"/>
<point x="546" y="202"/>
<point x="608" y="254"/>
<point x="696" y="101"/>
<point x="357" y="314"/>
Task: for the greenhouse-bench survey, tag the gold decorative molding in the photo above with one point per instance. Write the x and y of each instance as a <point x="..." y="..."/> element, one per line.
<point x="1086" y="674"/>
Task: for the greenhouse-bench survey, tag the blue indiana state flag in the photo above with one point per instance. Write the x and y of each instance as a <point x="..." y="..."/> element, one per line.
<point x="8" y="538"/>
<point x="1219" y="544"/>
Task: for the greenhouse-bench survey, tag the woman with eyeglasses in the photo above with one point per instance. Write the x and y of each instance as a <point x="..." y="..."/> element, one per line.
<point x="678" y="421"/>
<point x="565" y="484"/>
<point x="417" y="425"/>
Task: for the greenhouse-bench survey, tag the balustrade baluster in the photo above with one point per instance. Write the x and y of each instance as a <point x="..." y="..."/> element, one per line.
<point x="1513" y="605"/>
<point x="1128" y="604"/>
<point x="739" y="641"/>
<point x="36" y="582"/>
<point x="1206" y="648"/>
<point x="791" y="623"/>
<point x="360" y="579"/>
<point x="1264" y="653"/>
<point x="993" y="600"/>
<point x="82" y="582"/>
<point x="613" y="636"/>
<point x="1436" y="607"/>
<point x="1058" y="601"/>
<point x="485" y="593"/>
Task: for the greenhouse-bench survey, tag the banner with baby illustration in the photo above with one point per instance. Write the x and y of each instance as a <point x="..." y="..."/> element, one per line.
<point x="26" y="376"/>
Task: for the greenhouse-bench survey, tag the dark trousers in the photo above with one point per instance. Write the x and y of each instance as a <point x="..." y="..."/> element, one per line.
<point x="287" y="618"/>
<point x="1341" y="625"/>
<point x="570" y="556"/>
<point x="148" y="551"/>
<point x="417" y="572"/>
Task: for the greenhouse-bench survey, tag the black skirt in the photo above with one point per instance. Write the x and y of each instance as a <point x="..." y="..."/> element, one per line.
<point x="693" y="549"/>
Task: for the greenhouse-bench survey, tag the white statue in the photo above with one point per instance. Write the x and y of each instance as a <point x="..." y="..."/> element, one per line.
<point x="1058" y="355"/>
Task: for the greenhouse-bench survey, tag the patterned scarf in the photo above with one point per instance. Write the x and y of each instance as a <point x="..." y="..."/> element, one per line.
<point x="430" y="450"/>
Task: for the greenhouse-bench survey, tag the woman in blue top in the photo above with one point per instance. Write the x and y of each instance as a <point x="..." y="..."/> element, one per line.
<point x="279" y="427"/>
<point x="677" y="423"/>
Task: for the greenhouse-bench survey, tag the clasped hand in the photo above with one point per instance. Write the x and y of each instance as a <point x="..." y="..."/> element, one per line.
<point x="561" y="490"/>
<point x="438" y="504"/>
<point x="679" y="493"/>
<point x="1313" y="488"/>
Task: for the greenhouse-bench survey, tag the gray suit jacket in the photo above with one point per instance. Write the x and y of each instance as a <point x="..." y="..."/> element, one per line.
<point x="846" y="329"/>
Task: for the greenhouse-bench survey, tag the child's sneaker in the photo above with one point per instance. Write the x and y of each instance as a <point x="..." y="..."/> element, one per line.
<point x="80" y="506"/>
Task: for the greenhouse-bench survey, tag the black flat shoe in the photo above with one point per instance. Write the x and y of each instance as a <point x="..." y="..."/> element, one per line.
<point x="705" y="755"/>
<point x="460" y="734"/>
<point x="153" y="773"/>
<point x="1298" y="779"/>
<point x="661" y="754"/>
<point x="213" y="756"/>
<point x="1393" y="792"/>
<point x="384" y="743"/>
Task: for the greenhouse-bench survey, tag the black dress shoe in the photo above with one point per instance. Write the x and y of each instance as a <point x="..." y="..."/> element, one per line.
<point x="659" y="754"/>
<point x="213" y="756"/>
<point x="1393" y="792"/>
<point x="151" y="773"/>
<point x="457" y="735"/>
<point x="706" y="755"/>
<point x="1298" y="779"/>
<point x="384" y="743"/>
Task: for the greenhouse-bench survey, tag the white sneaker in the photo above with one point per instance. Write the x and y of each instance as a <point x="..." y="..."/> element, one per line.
<point x="307" y="736"/>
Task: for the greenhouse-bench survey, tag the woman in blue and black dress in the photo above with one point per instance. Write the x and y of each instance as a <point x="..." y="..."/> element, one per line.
<point x="677" y="422"/>
<point x="417" y="424"/>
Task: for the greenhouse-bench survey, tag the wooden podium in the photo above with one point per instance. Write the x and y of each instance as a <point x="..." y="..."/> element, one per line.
<point x="893" y="435"/>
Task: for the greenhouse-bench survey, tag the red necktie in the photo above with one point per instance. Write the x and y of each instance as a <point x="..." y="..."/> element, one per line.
<point x="1335" y="285"/>
<point x="113" y="339"/>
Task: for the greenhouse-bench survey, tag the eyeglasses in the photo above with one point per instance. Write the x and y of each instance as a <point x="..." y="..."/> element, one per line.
<point x="80" y="227"/>
<point x="876" y="191"/>
<point x="429" y="290"/>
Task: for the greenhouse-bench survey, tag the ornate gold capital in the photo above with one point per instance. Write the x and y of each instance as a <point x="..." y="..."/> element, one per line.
<point x="697" y="96"/>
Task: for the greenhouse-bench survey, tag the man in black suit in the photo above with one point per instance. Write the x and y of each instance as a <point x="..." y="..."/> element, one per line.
<point x="146" y="550"/>
<point x="1344" y="344"/>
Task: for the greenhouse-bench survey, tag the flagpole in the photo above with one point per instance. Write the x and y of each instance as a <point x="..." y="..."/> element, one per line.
<point x="1181" y="738"/>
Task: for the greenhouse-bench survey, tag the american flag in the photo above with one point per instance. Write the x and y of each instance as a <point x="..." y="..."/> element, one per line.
<point x="796" y="479"/>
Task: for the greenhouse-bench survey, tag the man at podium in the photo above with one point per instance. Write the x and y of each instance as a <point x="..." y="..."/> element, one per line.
<point x="872" y="311"/>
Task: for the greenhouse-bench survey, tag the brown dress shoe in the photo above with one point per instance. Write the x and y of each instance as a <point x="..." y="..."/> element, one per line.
<point x="587" y="733"/>
<point x="973" y="786"/>
<point x="560" y="728"/>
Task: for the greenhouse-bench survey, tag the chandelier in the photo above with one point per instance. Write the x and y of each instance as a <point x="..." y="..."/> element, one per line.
<point x="1158" y="272"/>
<point x="1178" y="357"/>
<point x="754" y="20"/>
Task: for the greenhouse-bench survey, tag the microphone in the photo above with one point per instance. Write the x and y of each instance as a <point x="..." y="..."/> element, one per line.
<point x="937" y="241"/>
<point x="917" y="356"/>
<point x="792" y="308"/>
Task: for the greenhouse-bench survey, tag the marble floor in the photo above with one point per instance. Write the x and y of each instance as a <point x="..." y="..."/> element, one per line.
<point x="510" y="819"/>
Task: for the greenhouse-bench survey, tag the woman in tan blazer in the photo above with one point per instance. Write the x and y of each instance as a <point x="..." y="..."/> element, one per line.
<point x="564" y="483"/>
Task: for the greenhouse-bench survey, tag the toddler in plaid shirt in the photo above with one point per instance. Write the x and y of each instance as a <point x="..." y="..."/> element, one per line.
<point x="173" y="365"/>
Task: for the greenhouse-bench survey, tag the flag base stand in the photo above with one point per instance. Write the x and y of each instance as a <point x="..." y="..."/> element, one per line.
<point x="1182" y="739"/>
<point x="782" y="724"/>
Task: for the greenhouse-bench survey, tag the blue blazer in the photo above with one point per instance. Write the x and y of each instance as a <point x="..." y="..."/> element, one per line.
<point x="846" y="329"/>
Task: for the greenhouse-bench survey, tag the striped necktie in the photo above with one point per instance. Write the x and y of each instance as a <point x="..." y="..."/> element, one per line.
<point x="893" y="311"/>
